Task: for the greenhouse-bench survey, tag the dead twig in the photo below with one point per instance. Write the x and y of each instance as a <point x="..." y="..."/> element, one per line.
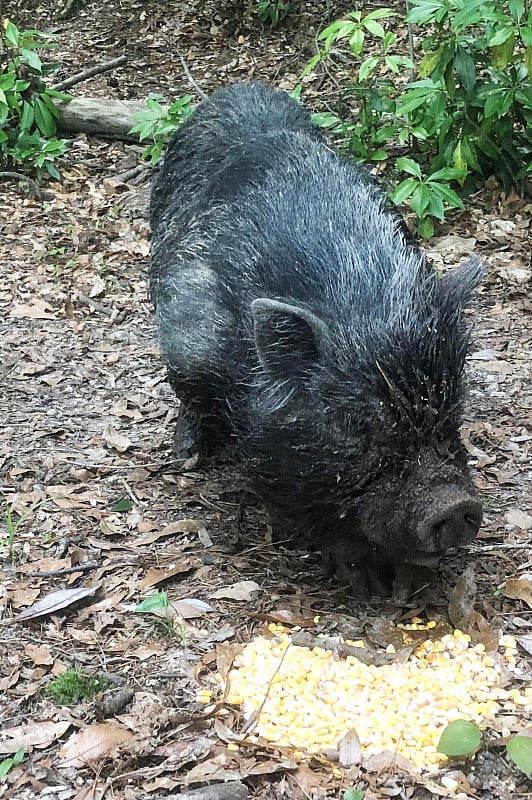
<point x="190" y="79"/>
<point x="88" y="566"/>
<point x="89" y="73"/>
<point x="342" y="650"/>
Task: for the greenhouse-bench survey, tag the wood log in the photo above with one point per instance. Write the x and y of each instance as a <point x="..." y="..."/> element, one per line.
<point x="99" y="115"/>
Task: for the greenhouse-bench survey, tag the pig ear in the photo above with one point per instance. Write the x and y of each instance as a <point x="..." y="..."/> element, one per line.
<point x="289" y="339"/>
<point x="461" y="282"/>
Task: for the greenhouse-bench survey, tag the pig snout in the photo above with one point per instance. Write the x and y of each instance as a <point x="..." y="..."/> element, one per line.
<point x="452" y="519"/>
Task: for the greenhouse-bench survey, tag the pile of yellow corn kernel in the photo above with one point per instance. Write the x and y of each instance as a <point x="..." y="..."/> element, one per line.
<point x="309" y="699"/>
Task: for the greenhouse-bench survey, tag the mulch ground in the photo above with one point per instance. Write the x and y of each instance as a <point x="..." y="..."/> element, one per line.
<point x="97" y="517"/>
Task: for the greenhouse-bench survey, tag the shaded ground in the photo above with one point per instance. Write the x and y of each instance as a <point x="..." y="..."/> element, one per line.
<point x="89" y="419"/>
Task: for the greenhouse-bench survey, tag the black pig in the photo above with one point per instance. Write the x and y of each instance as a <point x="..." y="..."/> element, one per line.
<point x="299" y="324"/>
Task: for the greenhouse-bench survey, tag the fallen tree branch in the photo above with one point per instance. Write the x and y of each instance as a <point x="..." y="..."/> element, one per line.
<point x="33" y="187"/>
<point x="97" y="115"/>
<point x="89" y="73"/>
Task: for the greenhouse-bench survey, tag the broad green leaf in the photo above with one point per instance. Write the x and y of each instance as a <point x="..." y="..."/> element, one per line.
<point x="425" y="228"/>
<point x="27" y="116"/>
<point x="428" y="63"/>
<point x="354" y="794"/>
<point x="43" y="119"/>
<point x="356" y="41"/>
<point x="11" y="34"/>
<point x="501" y="54"/>
<point x="459" y="159"/>
<point x="404" y="190"/>
<point x="519" y="749"/>
<point x="447" y="174"/>
<point x="435" y="207"/>
<point x="410" y="166"/>
<point x="447" y="194"/>
<point x="460" y="738"/>
<point x="325" y="119"/>
<point x="32" y="59"/>
<point x="465" y="68"/>
<point x="374" y="27"/>
<point x="420" y="199"/>
<point x="368" y="66"/>
<point x="124" y="504"/>
<point x="154" y="603"/>
<point x="52" y="169"/>
<point x="7" y="81"/>
<point x="381" y="13"/>
<point x="517" y="8"/>
<point x="422" y="11"/>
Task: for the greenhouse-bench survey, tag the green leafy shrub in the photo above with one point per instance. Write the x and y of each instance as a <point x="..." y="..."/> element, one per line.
<point x="27" y="112"/>
<point x="159" y="122"/>
<point x="464" y="108"/>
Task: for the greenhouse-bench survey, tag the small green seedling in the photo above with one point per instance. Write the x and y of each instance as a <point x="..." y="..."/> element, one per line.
<point x="159" y="122"/>
<point x="72" y="686"/>
<point x="459" y="739"/>
<point x="354" y="794"/>
<point x="163" y="615"/>
<point x="519" y="750"/>
<point x="13" y="525"/>
<point x="8" y="763"/>
<point x="272" y="11"/>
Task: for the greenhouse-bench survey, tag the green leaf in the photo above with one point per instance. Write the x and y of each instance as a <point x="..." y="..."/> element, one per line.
<point x="425" y="228"/>
<point x="381" y="13"/>
<point x="447" y="194"/>
<point x="427" y="11"/>
<point x="368" y="66"/>
<point x="404" y="190"/>
<point x="124" y="504"/>
<point x="517" y="8"/>
<point x="465" y="68"/>
<point x="32" y="59"/>
<point x="356" y="41"/>
<point x="52" y="169"/>
<point x="325" y="119"/>
<point x="354" y="794"/>
<point x="501" y="54"/>
<point x="27" y="116"/>
<point x="460" y="738"/>
<point x="410" y="166"/>
<point x="374" y="27"/>
<point x="154" y="603"/>
<point x="420" y="199"/>
<point x="428" y="63"/>
<point x="11" y="33"/>
<point x="435" y="207"/>
<point x="447" y="174"/>
<point x="7" y="763"/>
<point x="43" y="118"/>
<point x="519" y="749"/>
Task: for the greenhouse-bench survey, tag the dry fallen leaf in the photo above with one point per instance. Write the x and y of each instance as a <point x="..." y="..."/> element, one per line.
<point x="242" y="590"/>
<point x="350" y="749"/>
<point x="35" y="734"/>
<point x="56" y="601"/>
<point x="93" y="742"/>
<point x="116" y="440"/>
<point x="519" y="589"/>
<point x="39" y="655"/>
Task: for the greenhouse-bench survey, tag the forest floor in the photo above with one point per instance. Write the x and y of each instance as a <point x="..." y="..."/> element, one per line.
<point x="97" y="517"/>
